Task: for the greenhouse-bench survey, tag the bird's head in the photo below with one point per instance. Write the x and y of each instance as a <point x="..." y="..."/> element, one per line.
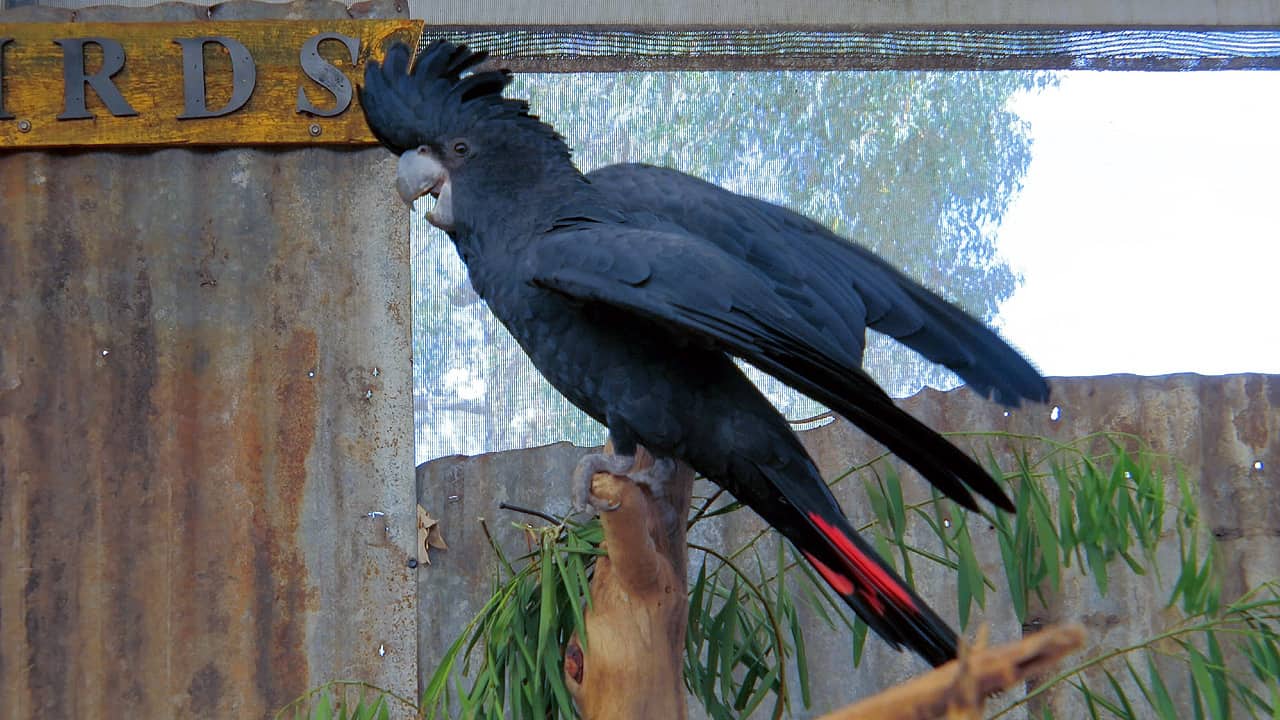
<point x="445" y="124"/>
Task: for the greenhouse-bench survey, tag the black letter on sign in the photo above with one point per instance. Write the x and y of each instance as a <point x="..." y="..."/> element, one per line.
<point x="74" y="78"/>
<point x="3" y="115"/>
<point x="243" y="77"/>
<point x="328" y="76"/>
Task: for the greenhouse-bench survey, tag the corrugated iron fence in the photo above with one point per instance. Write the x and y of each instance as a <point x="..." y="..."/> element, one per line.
<point x="1224" y="430"/>
<point x="206" y="461"/>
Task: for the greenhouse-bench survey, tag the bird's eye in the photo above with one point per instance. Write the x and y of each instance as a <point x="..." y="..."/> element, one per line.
<point x="460" y="148"/>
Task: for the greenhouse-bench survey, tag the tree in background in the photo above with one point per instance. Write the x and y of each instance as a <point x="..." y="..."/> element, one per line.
<point x="919" y="166"/>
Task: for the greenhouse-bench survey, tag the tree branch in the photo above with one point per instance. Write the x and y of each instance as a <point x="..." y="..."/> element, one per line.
<point x="958" y="690"/>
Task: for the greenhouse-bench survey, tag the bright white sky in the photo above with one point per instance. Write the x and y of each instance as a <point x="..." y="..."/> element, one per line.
<point x="1148" y="230"/>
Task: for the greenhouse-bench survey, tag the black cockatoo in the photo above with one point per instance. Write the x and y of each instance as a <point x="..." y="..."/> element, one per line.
<point x="632" y="288"/>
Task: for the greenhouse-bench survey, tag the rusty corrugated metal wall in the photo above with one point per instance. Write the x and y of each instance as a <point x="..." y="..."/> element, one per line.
<point x="1218" y="427"/>
<point x="206" y="490"/>
<point x="819" y="13"/>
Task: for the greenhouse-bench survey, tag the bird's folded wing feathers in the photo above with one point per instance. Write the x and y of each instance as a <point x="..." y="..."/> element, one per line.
<point x="688" y="284"/>
<point x="824" y="271"/>
<point x="694" y="287"/>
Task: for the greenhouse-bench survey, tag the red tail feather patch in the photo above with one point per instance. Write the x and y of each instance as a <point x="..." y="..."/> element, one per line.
<point x="841" y="583"/>
<point x="867" y="567"/>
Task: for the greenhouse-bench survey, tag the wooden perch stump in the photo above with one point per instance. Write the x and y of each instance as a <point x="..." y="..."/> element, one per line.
<point x="632" y="665"/>
<point x="633" y="661"/>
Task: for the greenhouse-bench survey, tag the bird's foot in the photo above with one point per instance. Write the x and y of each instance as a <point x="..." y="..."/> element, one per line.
<point x="660" y="479"/>
<point x="588" y="466"/>
<point x="657" y="476"/>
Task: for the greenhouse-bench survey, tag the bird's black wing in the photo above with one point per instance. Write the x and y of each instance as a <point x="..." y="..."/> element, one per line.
<point x="695" y="287"/>
<point x="842" y="288"/>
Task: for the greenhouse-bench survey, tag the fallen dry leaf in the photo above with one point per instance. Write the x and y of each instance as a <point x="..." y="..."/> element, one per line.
<point x="429" y="535"/>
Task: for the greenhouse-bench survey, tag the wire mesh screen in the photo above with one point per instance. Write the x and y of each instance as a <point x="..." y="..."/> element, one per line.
<point x="919" y="166"/>
<point x="562" y="49"/>
<point x="924" y="167"/>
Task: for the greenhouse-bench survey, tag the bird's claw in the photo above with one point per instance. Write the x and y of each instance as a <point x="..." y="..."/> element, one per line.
<point x="657" y="475"/>
<point x="583" y="500"/>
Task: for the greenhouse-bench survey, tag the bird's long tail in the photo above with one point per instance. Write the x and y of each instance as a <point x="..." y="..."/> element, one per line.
<point x="814" y="523"/>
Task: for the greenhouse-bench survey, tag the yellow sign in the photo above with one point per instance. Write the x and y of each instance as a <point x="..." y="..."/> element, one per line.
<point x="215" y="83"/>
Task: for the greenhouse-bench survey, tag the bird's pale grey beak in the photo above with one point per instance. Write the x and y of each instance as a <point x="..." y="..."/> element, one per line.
<point x="420" y="173"/>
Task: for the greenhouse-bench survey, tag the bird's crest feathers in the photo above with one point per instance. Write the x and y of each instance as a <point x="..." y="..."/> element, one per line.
<point x="407" y="107"/>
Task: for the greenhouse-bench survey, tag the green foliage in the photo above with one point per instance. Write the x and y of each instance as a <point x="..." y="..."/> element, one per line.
<point x="344" y="700"/>
<point x="1250" y="626"/>
<point x="1081" y="507"/>
<point x="512" y="650"/>
<point x="1090" y="515"/>
<point x="1085" y="508"/>
<point x="736" y="647"/>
